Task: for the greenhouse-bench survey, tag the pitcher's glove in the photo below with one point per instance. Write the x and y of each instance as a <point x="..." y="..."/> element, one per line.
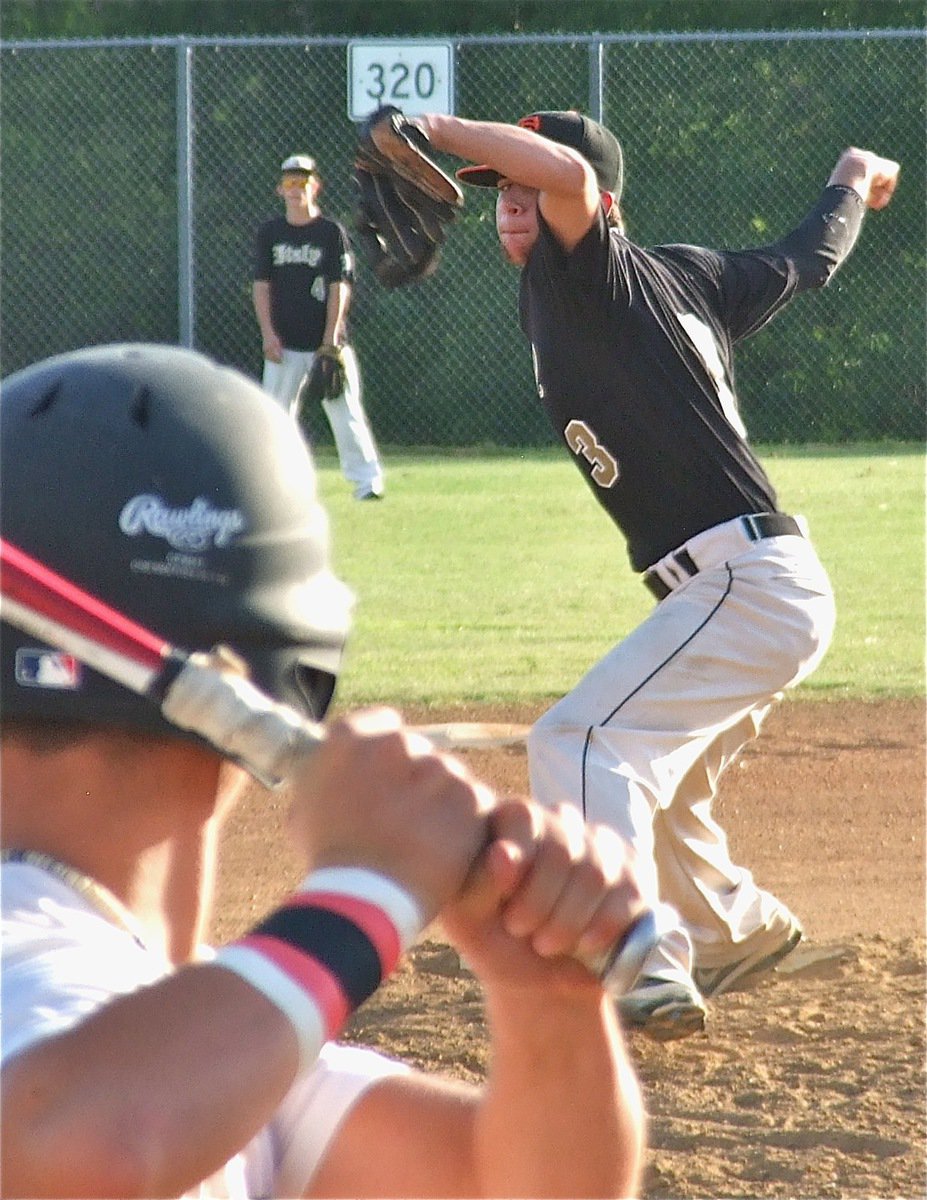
<point x="406" y="200"/>
<point x="325" y="380"/>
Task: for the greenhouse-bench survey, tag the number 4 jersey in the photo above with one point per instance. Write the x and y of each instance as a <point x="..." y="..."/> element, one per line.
<point x="301" y="262"/>
<point x="633" y="357"/>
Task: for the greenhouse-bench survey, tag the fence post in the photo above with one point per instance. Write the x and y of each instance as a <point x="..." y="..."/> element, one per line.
<point x="596" y="79"/>
<point x="185" y="242"/>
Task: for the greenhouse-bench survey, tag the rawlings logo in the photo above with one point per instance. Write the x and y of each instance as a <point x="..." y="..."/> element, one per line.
<point x="531" y="123"/>
<point x="194" y="528"/>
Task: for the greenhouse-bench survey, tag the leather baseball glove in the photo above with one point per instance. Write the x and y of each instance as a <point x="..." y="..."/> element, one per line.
<point x="325" y="380"/>
<point x="406" y="201"/>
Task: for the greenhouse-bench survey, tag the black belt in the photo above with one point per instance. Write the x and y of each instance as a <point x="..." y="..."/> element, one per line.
<point x="756" y="526"/>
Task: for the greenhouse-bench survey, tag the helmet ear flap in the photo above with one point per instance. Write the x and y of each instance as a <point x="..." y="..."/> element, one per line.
<point x="317" y="688"/>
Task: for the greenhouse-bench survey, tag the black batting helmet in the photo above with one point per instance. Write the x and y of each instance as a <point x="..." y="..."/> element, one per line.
<point x="178" y="492"/>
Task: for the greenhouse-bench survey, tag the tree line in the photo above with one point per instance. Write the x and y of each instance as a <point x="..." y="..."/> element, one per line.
<point x="41" y="19"/>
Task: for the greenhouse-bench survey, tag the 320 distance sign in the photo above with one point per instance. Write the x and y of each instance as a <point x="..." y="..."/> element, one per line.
<point x="417" y="77"/>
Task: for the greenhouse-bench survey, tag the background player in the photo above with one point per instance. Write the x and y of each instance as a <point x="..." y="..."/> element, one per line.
<point x="134" y="1066"/>
<point x="633" y="357"/>
<point x="303" y="276"/>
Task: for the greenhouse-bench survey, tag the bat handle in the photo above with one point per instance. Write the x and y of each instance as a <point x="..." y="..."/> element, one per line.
<point x="209" y="696"/>
<point x="619" y="967"/>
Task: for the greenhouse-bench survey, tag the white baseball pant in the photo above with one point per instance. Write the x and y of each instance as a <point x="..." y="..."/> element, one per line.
<point x="641" y="741"/>
<point x="354" y="442"/>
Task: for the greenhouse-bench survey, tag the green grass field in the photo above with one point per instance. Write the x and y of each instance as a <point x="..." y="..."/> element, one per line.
<point x="496" y="577"/>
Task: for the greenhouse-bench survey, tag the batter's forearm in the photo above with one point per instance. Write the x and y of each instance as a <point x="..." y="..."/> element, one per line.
<point x="560" y="1080"/>
<point x="145" y="1097"/>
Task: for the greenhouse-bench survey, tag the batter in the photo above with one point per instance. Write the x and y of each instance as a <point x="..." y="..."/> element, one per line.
<point x="133" y="1064"/>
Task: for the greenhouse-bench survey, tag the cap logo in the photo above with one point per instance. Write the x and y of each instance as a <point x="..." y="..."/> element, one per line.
<point x="51" y="669"/>
<point x="531" y="123"/>
<point x="195" y="528"/>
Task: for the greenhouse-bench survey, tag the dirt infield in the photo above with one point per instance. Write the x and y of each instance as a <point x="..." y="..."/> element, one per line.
<point x="810" y="1085"/>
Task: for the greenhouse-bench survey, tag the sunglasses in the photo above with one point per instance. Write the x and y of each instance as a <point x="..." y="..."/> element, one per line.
<point x="295" y="181"/>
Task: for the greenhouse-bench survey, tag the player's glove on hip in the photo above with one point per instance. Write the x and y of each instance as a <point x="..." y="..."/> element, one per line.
<point x="406" y="201"/>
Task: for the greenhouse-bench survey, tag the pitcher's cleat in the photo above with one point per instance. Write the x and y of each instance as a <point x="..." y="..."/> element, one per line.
<point x="746" y="970"/>
<point x="664" y="1010"/>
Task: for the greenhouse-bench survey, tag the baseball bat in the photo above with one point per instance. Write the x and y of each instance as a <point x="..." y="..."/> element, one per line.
<point x="207" y="693"/>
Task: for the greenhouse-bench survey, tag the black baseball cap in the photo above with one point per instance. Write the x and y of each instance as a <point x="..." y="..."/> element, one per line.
<point x="598" y="146"/>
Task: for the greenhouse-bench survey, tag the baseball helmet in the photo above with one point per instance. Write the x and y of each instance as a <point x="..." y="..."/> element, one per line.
<point x="178" y="492"/>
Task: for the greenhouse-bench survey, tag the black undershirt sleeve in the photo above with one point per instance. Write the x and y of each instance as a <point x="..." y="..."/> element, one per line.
<point x="822" y="241"/>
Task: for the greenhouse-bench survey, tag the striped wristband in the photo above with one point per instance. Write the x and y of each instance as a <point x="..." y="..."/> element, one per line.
<point x="322" y="953"/>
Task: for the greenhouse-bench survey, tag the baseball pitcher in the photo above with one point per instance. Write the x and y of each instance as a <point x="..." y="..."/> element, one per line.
<point x="633" y="353"/>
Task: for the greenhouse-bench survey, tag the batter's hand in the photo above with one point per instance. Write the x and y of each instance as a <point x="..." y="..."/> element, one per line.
<point x="548" y="886"/>
<point x="375" y="794"/>
<point x="874" y="177"/>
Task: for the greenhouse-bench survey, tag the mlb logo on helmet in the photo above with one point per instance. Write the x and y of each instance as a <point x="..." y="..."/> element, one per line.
<point x="47" y="669"/>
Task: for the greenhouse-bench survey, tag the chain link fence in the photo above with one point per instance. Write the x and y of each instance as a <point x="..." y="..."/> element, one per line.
<point x="135" y="173"/>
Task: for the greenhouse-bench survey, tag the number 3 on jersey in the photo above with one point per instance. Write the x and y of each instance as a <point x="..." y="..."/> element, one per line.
<point x="584" y="443"/>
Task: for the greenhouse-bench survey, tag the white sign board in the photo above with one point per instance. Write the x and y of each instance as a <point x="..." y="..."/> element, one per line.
<point x="417" y="77"/>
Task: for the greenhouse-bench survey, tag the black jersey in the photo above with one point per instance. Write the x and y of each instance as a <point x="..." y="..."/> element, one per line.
<point x="633" y="357"/>
<point x="300" y="262"/>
